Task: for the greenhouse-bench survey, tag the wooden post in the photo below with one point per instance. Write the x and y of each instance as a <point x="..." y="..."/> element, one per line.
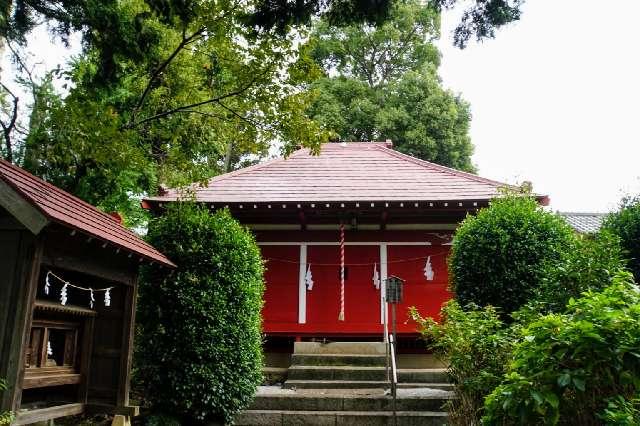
<point x="21" y="286"/>
<point x="302" y="286"/>
<point x="128" y="326"/>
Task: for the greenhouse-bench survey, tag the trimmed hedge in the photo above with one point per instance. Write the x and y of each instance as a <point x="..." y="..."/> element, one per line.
<point x="499" y="255"/>
<point x="199" y="356"/>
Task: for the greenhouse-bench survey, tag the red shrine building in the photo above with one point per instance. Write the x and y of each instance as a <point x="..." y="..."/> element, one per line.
<point x="332" y="227"/>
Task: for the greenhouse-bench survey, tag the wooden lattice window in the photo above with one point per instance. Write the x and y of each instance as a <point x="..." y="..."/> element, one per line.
<point x="53" y="355"/>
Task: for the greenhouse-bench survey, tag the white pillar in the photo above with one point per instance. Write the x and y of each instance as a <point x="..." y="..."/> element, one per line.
<point x="302" y="286"/>
<point x="383" y="286"/>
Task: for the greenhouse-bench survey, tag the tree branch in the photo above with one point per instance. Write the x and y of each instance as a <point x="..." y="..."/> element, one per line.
<point x="7" y="128"/>
<point x="156" y="73"/>
<point x="191" y="106"/>
<point x="240" y="116"/>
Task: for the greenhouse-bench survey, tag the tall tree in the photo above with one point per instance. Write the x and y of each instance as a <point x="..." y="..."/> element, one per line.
<point x="387" y="87"/>
<point x="207" y="89"/>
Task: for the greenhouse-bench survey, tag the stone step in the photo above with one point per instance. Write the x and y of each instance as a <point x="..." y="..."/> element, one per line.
<point x="312" y="372"/>
<point x="335" y="418"/>
<point x="359" y="384"/>
<point x="422" y="375"/>
<point x="353" y="373"/>
<point x="275" y="398"/>
<point x="339" y="359"/>
<point x="348" y="348"/>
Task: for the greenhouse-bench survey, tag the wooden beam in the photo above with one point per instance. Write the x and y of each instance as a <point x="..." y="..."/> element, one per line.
<point x="21" y="209"/>
<point x="51" y="380"/>
<point x="44" y="414"/>
<point x="128" y="329"/>
<point x="303" y="220"/>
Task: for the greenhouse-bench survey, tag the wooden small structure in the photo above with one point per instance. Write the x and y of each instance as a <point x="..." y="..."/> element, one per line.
<point x="333" y="227"/>
<point x="65" y="341"/>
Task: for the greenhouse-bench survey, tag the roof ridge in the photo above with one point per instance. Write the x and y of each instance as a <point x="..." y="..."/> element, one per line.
<point x="439" y="167"/>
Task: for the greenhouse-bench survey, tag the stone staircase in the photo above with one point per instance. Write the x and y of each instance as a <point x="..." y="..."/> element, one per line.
<point x="343" y="383"/>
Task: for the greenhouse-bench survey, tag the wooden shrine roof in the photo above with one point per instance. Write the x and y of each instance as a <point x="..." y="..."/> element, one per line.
<point x="354" y="171"/>
<point x="61" y="207"/>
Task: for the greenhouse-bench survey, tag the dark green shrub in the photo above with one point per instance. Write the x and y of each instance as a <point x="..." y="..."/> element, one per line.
<point x="477" y="347"/>
<point x="589" y="263"/>
<point x="499" y="255"/>
<point x="626" y="225"/>
<point x="199" y="354"/>
<point x="576" y="368"/>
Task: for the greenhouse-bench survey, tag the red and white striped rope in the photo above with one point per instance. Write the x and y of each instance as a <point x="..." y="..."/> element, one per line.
<point x="341" y="315"/>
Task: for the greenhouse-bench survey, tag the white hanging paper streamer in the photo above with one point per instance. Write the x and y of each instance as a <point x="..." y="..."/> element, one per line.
<point x="63" y="294"/>
<point x="308" y="278"/>
<point x="428" y="270"/>
<point x="67" y="284"/>
<point x="376" y="277"/>
<point x="49" y="350"/>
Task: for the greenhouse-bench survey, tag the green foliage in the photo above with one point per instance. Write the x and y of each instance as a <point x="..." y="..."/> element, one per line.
<point x="202" y="95"/>
<point x="379" y="54"/>
<point x="499" y="256"/>
<point x="625" y="224"/>
<point x="589" y="263"/>
<point x="578" y="367"/>
<point x="620" y="411"/>
<point x="199" y="354"/>
<point x="387" y="87"/>
<point x="5" y="417"/>
<point x="480" y="17"/>
<point x="477" y="346"/>
<point x="161" y="420"/>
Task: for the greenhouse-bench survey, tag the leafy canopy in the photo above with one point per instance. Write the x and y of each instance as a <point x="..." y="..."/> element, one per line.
<point x="208" y="95"/>
<point x="387" y="87"/>
<point x="199" y="351"/>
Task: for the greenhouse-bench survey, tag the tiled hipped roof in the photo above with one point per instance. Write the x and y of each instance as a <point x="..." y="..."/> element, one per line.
<point x="355" y="171"/>
<point x="70" y="211"/>
<point x="584" y="222"/>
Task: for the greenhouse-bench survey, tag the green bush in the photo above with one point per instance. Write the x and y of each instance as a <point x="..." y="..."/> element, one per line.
<point x="477" y="347"/>
<point x="199" y="353"/>
<point x="499" y="256"/>
<point x="5" y="417"/>
<point x="580" y="367"/>
<point x="626" y="225"/>
<point x="589" y="263"/>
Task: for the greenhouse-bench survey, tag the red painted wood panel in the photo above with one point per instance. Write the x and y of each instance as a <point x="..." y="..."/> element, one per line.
<point x="362" y="299"/>
<point x="408" y="262"/>
<point x="281" y="291"/>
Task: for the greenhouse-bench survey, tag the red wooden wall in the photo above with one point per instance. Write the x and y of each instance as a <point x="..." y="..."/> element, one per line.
<point x="281" y="291"/>
<point x="362" y="299"/>
<point x="426" y="296"/>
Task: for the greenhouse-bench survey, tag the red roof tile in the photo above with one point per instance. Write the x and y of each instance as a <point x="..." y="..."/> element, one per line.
<point x="354" y="171"/>
<point x="61" y="207"/>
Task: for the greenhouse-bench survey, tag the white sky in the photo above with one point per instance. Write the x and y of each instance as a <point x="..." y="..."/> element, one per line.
<point x="554" y="98"/>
